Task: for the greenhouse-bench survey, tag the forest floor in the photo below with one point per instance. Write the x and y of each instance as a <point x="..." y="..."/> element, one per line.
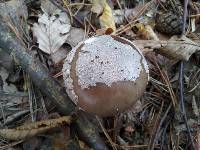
<point x="32" y="112"/>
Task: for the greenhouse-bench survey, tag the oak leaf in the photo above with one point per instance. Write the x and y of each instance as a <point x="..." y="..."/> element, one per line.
<point x="51" y="32"/>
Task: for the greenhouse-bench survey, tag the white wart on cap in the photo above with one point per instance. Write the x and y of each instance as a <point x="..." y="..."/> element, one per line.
<point x="105" y="75"/>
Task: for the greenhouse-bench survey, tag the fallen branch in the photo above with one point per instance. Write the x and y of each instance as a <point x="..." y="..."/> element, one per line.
<point x="34" y="128"/>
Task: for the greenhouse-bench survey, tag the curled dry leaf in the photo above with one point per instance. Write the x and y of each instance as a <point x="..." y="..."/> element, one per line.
<point x="59" y="55"/>
<point x="32" y="129"/>
<point x="51" y="32"/>
<point x="179" y="48"/>
<point x="176" y="48"/>
<point x="107" y="19"/>
<point x="76" y="35"/>
<point x="146" y="32"/>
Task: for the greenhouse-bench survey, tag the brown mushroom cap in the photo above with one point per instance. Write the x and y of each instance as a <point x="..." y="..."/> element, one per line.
<point x="105" y="75"/>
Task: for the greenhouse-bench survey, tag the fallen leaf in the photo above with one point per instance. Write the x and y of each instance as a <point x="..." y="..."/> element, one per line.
<point x="32" y="129"/>
<point x="60" y="55"/>
<point x="120" y="15"/>
<point x="51" y="32"/>
<point x="176" y="48"/>
<point x="179" y="48"/>
<point x="107" y="19"/>
<point x="76" y="35"/>
<point x="146" y="32"/>
<point x="49" y="8"/>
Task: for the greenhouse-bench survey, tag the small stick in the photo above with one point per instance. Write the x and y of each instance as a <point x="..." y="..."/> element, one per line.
<point x="181" y="86"/>
<point x="182" y="103"/>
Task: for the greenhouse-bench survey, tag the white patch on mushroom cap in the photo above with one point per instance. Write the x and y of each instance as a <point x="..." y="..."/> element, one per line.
<point x="144" y="62"/>
<point x="105" y="60"/>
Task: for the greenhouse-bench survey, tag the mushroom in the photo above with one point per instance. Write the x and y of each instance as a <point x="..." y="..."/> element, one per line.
<point x="105" y="75"/>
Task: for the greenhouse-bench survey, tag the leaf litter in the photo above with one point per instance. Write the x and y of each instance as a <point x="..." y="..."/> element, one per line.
<point x="156" y="121"/>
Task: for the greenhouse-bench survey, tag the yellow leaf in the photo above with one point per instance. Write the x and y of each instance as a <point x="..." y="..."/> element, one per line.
<point x="107" y="19"/>
<point x="98" y="6"/>
<point x="146" y="32"/>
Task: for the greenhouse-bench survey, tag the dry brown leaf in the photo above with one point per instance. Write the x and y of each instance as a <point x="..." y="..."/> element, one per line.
<point x="32" y="129"/>
<point x="147" y="45"/>
<point x="120" y="15"/>
<point x="179" y="48"/>
<point x="146" y="32"/>
<point x="58" y="56"/>
<point x="175" y="48"/>
<point x="107" y="19"/>
<point x="51" y="32"/>
<point x="76" y="35"/>
<point x="132" y="14"/>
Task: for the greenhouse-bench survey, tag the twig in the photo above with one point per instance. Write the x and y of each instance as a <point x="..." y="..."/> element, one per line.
<point x="13" y="117"/>
<point x="65" y="10"/>
<point x="106" y="134"/>
<point x="133" y="21"/>
<point x="181" y="86"/>
<point x="182" y="103"/>
<point x="164" y="136"/>
<point x="167" y="82"/>
<point x="158" y="127"/>
<point x="11" y="144"/>
<point x="155" y="131"/>
<point x="184" y="16"/>
<point x="30" y="98"/>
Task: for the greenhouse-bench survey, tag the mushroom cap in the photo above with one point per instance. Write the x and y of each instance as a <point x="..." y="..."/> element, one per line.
<point x="105" y="75"/>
